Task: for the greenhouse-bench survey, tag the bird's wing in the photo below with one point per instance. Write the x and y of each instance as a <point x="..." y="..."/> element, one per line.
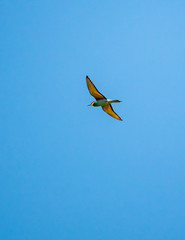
<point x="109" y="110"/>
<point x="93" y="90"/>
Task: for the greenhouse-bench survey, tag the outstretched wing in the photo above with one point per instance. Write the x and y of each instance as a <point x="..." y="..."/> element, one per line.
<point x="109" y="110"/>
<point x="93" y="90"/>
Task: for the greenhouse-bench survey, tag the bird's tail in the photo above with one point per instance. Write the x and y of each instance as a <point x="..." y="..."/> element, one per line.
<point x="116" y="101"/>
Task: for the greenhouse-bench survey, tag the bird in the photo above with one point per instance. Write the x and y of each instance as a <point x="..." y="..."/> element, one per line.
<point x="101" y="100"/>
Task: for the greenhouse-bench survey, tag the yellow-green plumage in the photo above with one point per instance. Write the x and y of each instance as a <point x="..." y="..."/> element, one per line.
<point x="101" y="100"/>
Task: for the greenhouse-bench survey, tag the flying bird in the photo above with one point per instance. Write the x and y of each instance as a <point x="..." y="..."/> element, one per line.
<point x="101" y="100"/>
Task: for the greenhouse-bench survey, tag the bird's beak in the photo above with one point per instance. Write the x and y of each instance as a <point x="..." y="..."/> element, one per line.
<point x="89" y="105"/>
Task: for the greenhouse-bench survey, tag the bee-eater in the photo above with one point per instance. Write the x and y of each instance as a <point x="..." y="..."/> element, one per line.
<point x="101" y="100"/>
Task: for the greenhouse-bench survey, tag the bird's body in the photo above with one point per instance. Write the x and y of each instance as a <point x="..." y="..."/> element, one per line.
<point x="101" y="101"/>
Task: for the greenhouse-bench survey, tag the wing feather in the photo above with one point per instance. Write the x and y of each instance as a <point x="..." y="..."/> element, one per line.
<point x="93" y="90"/>
<point x="109" y="110"/>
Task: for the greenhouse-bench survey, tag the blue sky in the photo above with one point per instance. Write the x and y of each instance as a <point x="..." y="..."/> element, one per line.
<point x="72" y="172"/>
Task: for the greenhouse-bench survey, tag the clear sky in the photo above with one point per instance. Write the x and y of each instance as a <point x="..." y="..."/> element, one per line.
<point x="69" y="171"/>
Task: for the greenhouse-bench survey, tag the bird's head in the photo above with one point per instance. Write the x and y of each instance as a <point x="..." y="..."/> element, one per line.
<point x="92" y="104"/>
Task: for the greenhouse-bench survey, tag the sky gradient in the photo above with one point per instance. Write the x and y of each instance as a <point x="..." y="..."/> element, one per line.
<point x="69" y="171"/>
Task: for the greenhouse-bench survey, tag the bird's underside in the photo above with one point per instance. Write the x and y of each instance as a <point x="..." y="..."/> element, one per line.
<point x="101" y="100"/>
